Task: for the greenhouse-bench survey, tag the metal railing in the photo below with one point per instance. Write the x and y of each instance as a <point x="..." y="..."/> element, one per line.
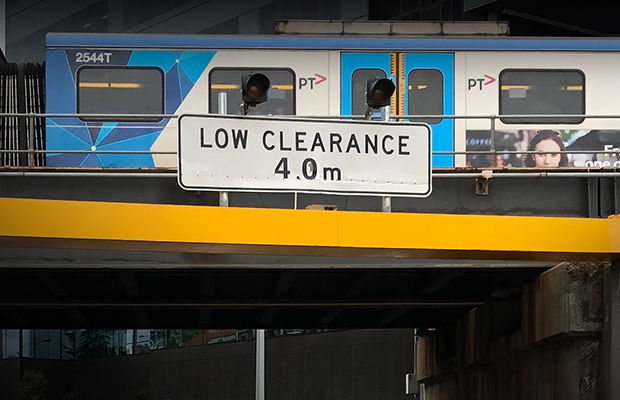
<point x="10" y="156"/>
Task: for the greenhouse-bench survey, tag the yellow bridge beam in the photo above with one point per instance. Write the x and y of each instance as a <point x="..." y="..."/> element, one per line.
<point x="203" y="229"/>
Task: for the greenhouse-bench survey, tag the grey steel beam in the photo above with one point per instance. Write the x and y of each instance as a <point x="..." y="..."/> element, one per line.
<point x="245" y="304"/>
<point x="56" y="259"/>
<point x="569" y="194"/>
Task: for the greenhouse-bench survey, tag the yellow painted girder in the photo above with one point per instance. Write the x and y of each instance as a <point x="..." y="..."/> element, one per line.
<point x="182" y="228"/>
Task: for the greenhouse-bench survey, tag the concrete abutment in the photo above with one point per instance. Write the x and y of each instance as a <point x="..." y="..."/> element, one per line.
<point x="560" y="339"/>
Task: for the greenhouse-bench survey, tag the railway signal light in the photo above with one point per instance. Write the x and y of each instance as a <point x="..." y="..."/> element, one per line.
<point x="378" y="92"/>
<point x="254" y="90"/>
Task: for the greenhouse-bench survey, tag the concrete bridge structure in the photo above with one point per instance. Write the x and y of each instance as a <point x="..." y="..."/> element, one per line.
<point x="513" y="294"/>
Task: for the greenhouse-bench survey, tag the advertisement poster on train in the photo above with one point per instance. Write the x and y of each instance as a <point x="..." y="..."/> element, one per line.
<point x="545" y="141"/>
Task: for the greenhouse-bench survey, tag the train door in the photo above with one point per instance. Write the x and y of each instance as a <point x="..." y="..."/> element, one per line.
<point x="357" y="69"/>
<point x="424" y="86"/>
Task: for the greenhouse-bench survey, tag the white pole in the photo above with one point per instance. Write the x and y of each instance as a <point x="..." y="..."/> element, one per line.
<point x="260" y="364"/>
<point x="386" y="201"/>
<point x="222" y="108"/>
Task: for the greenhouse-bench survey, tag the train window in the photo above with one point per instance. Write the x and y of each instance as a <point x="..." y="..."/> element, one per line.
<point x="542" y="92"/>
<point x="425" y="94"/>
<point x="120" y="90"/>
<point x="358" y="85"/>
<point x="280" y="97"/>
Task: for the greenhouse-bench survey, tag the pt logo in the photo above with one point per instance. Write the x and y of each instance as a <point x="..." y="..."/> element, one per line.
<point x="472" y="83"/>
<point x="311" y="81"/>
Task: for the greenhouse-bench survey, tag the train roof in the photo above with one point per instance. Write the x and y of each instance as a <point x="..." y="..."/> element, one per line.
<point x="132" y="41"/>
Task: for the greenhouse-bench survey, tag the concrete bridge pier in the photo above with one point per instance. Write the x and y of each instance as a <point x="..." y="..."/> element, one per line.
<point x="610" y="337"/>
<point x="559" y="339"/>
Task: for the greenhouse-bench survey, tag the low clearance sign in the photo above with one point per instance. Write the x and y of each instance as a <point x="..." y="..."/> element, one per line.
<point x="269" y="154"/>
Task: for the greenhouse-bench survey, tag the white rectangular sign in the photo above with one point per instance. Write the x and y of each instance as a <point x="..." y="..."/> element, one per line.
<point x="241" y="153"/>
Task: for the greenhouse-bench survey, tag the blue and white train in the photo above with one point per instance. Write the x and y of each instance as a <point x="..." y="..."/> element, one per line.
<point x="556" y="81"/>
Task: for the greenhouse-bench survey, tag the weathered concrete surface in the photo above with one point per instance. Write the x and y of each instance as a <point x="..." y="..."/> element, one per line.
<point x="554" y="356"/>
<point x="610" y="340"/>
<point x="566" y="369"/>
<point x="566" y="299"/>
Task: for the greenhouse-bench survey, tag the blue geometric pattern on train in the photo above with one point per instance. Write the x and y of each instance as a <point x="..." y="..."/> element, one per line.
<point x="181" y="68"/>
<point x="73" y="134"/>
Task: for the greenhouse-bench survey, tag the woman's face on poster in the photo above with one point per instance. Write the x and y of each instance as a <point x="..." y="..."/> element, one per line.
<point x="547" y="160"/>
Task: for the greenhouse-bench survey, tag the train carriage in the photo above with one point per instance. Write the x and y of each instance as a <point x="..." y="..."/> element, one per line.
<point x="531" y="85"/>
